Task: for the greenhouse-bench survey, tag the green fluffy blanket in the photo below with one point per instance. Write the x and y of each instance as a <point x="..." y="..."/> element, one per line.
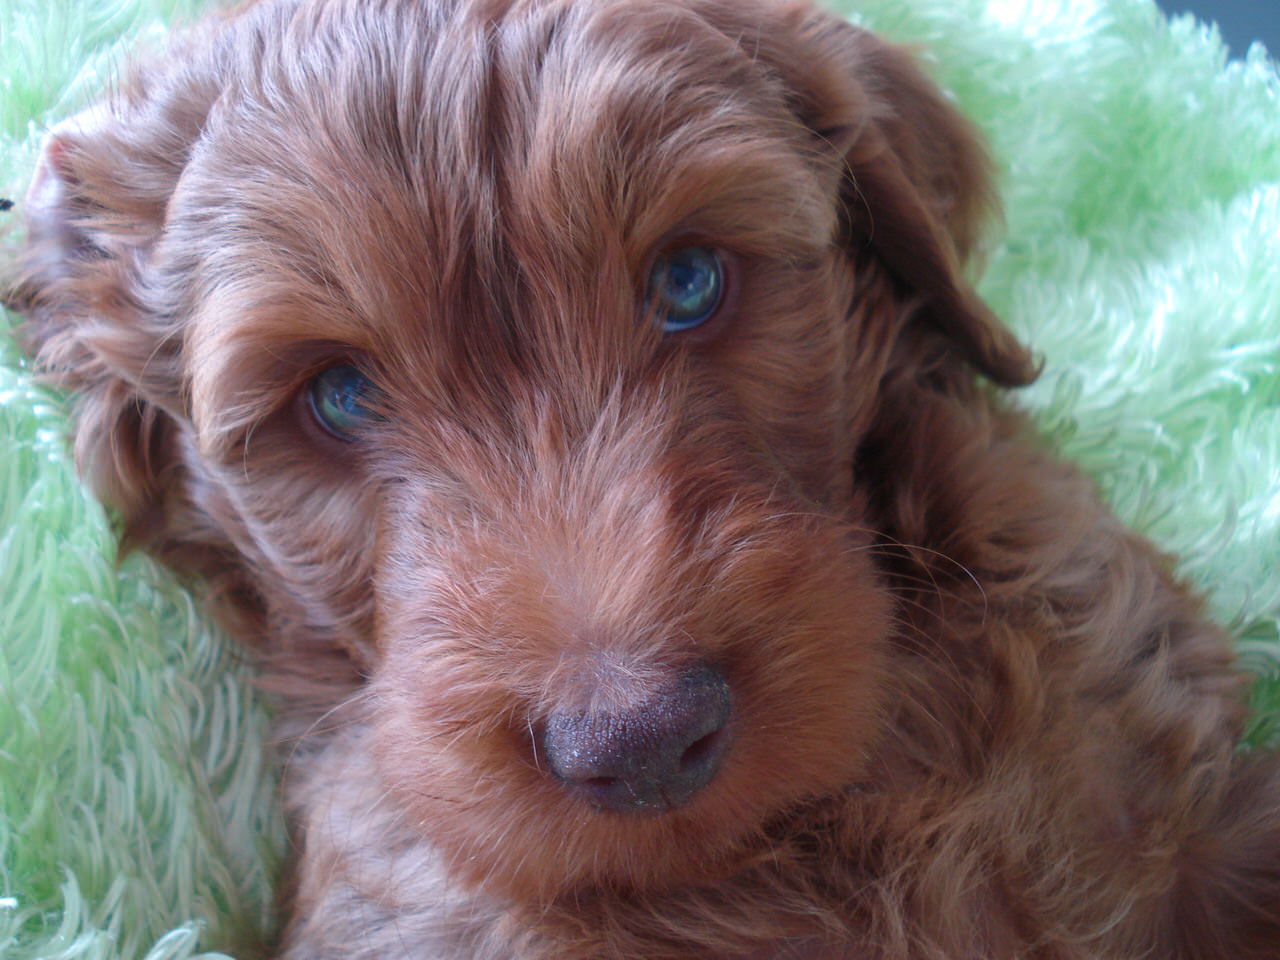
<point x="1140" y="255"/>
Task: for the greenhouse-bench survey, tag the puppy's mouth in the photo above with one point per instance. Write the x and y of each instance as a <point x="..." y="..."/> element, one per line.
<point x="619" y="680"/>
<point x="648" y="757"/>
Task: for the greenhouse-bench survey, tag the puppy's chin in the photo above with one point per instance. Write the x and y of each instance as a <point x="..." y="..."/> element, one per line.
<point x="486" y="649"/>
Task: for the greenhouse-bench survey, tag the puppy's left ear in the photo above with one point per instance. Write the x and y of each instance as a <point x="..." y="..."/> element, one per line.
<point x="917" y="188"/>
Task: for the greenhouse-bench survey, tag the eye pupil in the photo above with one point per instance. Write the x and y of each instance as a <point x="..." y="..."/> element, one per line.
<point x="685" y="288"/>
<point x="339" y="399"/>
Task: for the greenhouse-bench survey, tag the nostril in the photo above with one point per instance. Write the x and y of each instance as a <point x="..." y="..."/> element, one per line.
<point x="702" y="751"/>
<point x="650" y="757"/>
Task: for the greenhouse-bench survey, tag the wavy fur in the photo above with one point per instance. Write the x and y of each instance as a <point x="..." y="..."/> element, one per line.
<point x="973" y="715"/>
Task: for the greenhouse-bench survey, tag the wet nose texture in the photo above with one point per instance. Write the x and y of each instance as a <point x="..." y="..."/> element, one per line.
<point x="650" y="758"/>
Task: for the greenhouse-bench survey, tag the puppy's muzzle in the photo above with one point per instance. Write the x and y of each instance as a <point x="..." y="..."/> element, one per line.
<point x="648" y="758"/>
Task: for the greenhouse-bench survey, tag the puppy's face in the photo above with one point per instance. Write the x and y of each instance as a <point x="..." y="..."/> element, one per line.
<point x="523" y="352"/>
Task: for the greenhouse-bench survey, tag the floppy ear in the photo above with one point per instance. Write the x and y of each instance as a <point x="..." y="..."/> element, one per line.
<point x="920" y="191"/>
<point x="917" y="187"/>
<point x="95" y="320"/>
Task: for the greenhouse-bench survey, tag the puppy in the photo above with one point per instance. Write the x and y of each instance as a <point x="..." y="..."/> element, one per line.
<point x="579" y="407"/>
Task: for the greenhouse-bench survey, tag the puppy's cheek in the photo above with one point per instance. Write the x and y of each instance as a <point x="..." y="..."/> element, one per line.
<point x="478" y="654"/>
<point x="805" y="662"/>
<point x="305" y="530"/>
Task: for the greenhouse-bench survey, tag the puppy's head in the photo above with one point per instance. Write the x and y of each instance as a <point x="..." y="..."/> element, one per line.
<point x="522" y="350"/>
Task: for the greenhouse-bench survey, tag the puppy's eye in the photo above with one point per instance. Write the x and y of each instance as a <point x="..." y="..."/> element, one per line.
<point x="340" y="399"/>
<point x="685" y="287"/>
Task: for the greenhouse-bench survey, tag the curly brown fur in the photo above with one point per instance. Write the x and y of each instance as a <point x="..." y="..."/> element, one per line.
<point x="972" y="716"/>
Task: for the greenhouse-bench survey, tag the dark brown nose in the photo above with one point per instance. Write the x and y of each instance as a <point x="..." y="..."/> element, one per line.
<point x="648" y="758"/>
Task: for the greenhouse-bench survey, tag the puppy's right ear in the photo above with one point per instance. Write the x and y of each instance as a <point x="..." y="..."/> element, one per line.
<point x="94" y="315"/>
<point x="50" y="200"/>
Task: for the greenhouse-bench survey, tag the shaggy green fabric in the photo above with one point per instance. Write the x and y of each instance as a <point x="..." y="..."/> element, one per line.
<point x="137" y="807"/>
<point x="1141" y="255"/>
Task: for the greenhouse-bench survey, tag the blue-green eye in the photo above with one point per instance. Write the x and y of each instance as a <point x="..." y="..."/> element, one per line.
<point x="340" y="400"/>
<point x="685" y="288"/>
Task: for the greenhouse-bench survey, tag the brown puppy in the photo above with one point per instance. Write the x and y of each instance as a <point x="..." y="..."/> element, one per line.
<point x="575" y="403"/>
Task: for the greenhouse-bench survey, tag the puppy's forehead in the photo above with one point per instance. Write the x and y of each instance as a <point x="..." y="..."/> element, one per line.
<point x="464" y="162"/>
